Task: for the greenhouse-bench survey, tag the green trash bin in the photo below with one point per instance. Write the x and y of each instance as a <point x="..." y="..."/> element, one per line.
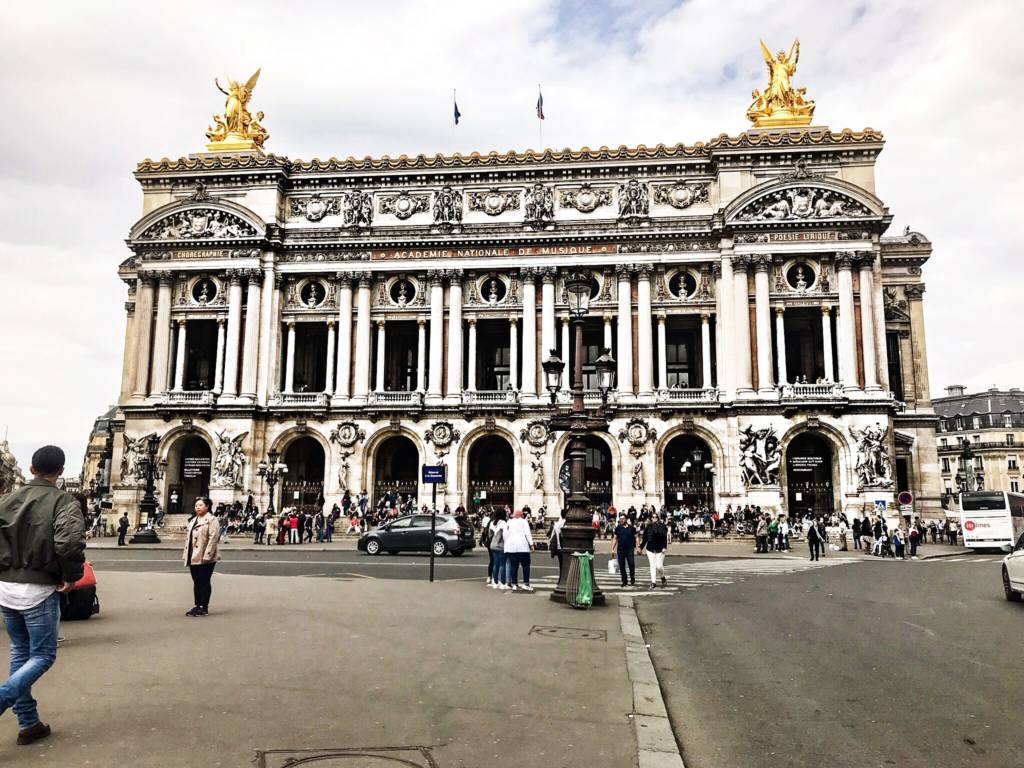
<point x="579" y="585"/>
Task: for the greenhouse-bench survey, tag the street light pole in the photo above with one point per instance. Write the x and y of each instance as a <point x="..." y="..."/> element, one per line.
<point x="271" y="470"/>
<point x="146" y="533"/>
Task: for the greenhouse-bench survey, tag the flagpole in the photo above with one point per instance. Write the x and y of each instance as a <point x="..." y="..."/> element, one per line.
<point x="540" y="127"/>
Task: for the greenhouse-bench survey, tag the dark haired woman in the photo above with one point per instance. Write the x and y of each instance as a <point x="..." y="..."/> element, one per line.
<point x="202" y="536"/>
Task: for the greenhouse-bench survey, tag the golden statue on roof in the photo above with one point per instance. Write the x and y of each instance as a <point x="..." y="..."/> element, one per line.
<point x="781" y="104"/>
<point x="237" y="129"/>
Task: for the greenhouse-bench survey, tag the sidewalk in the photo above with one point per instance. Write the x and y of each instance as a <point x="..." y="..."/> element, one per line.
<point x="283" y="664"/>
<point x="729" y="549"/>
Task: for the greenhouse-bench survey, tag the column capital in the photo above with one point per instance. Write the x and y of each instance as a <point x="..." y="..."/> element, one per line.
<point x="221" y="322"/>
<point x="826" y="310"/>
<point x="914" y="291"/>
<point x="380" y="323"/>
<point x="234" y="276"/>
<point x="716" y="270"/>
<point x="661" y="317"/>
<point x="471" y="320"/>
<point x="344" y="279"/>
<point x="565" y="319"/>
<point x="291" y="325"/>
<point x="331" y="323"/>
<point x="740" y="262"/>
<point x="454" y="276"/>
<point x="607" y="317"/>
<point x="527" y="274"/>
<point x="129" y="307"/>
<point x="421" y="321"/>
<point x="705" y="318"/>
<point x="181" y="322"/>
<point x="780" y="311"/>
<point x="513" y="320"/>
<point x="644" y="271"/>
<point x="865" y="259"/>
<point x="165" y="278"/>
<point x="762" y="261"/>
<point x="365" y="280"/>
<point x="435" y="276"/>
<point x="843" y="261"/>
<point x="623" y="272"/>
<point x="548" y="275"/>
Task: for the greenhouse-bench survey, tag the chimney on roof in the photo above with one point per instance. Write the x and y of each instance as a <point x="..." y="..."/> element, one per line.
<point x="955" y="390"/>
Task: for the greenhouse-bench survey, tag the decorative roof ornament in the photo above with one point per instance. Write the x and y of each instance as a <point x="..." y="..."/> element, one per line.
<point x="781" y="104"/>
<point x="237" y="130"/>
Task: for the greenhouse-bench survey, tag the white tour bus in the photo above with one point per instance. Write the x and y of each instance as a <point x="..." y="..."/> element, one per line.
<point x="991" y="519"/>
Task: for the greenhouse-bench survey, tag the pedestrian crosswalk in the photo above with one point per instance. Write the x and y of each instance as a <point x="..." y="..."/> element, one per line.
<point x="694" y="575"/>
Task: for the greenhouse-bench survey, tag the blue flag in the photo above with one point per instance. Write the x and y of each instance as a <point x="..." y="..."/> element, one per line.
<point x="457" y="113"/>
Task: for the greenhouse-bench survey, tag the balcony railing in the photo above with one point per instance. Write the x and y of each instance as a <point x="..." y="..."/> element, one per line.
<point x="395" y="399"/>
<point x="688" y="395"/>
<point x="490" y="397"/>
<point x="826" y="391"/>
<point x="303" y="399"/>
<point x="188" y="397"/>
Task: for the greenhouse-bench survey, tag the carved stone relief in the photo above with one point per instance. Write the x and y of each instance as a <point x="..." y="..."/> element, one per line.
<point x="403" y="205"/>
<point x="494" y="202"/>
<point x="586" y="199"/>
<point x="680" y="195"/>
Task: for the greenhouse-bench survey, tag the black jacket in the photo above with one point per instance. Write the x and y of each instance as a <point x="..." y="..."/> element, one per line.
<point x="655" y="537"/>
<point x="42" y="535"/>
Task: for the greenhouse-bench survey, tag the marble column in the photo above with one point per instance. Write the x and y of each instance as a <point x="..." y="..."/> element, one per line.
<point x="763" y="320"/>
<point x="234" y="333"/>
<point x="421" y="353"/>
<point x="143" y="339"/>
<point x="436" y="378"/>
<point x="741" y="326"/>
<point x="609" y="342"/>
<point x="645" y="351"/>
<point x="455" y="335"/>
<point x="529" y="382"/>
<point x="219" y="361"/>
<point x="269" y="324"/>
<point x="129" y="360"/>
<point x="625" y="332"/>
<point x="471" y="378"/>
<point x="724" y="338"/>
<point x="329" y="379"/>
<point x="361" y="360"/>
<point x="289" y="370"/>
<point x="662" y="352"/>
<point x="342" y="380"/>
<point x="158" y="376"/>
<point x="251" y="340"/>
<point x="846" y="336"/>
<point x="780" y="344"/>
<point x="867" y="322"/>
<point x="705" y="350"/>
<point x="513" y="351"/>
<point x="826" y="336"/>
<point x="878" y="309"/>
<point x="379" y="385"/>
<point x="566" y="351"/>
<point x="547" y="312"/>
<point x="915" y="295"/>
<point x="179" y="363"/>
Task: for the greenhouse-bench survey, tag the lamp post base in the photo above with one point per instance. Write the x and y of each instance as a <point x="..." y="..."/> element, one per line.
<point x="144" y="536"/>
<point x="577" y="535"/>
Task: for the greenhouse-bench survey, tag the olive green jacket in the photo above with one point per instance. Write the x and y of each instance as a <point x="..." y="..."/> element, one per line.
<point x="42" y="535"/>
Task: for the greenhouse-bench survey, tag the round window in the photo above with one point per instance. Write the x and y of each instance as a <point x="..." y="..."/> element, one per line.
<point x="402" y="292"/>
<point x="682" y="285"/>
<point x="800" y="277"/>
<point x="493" y="290"/>
<point x="313" y="294"/>
<point x="204" y="290"/>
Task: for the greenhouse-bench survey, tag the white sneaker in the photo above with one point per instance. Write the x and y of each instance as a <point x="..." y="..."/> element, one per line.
<point x="489" y="582"/>
<point x="503" y="587"/>
<point x="493" y="585"/>
<point x="514" y="587"/>
<point x="527" y="588"/>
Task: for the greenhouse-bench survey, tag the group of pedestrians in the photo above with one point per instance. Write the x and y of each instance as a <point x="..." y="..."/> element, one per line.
<point x="509" y="542"/>
<point x="653" y="541"/>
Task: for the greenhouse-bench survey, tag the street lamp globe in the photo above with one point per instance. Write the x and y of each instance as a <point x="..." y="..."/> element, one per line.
<point x="153" y="444"/>
<point x="605" y="367"/>
<point x="578" y="286"/>
<point x="553" y="368"/>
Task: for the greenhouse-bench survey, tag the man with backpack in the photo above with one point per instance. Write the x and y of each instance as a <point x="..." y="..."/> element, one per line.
<point x="655" y="543"/>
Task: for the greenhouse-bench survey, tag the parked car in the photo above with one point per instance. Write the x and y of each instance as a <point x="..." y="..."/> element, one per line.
<point x="1013" y="571"/>
<point x="452" y="535"/>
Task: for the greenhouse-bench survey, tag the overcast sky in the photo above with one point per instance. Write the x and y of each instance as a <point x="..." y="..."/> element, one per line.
<point x="88" y="89"/>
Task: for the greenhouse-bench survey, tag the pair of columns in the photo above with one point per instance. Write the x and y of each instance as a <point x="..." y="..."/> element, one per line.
<point x="705" y="350"/>
<point x="289" y="371"/>
<point x="735" y="368"/>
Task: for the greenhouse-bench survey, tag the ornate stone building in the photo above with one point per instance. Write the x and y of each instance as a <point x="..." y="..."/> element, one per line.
<point x="993" y="424"/>
<point x="364" y="317"/>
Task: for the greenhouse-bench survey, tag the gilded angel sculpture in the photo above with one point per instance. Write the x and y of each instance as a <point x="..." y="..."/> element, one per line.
<point x="237" y="128"/>
<point x="781" y="104"/>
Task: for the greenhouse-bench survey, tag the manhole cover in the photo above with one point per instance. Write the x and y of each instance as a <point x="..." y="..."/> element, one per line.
<point x="570" y="633"/>
<point x="383" y="757"/>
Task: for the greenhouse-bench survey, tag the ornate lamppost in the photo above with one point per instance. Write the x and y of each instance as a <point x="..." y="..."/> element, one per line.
<point x="577" y="533"/>
<point x="146" y="533"/>
<point x="271" y="470"/>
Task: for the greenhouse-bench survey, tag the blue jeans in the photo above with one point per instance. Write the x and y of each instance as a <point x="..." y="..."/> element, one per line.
<point x="499" y="567"/>
<point x="512" y="562"/>
<point x="33" y="640"/>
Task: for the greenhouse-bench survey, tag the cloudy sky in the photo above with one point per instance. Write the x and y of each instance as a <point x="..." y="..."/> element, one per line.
<point x="88" y="89"/>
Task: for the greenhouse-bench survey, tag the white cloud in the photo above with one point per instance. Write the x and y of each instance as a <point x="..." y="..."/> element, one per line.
<point x="89" y="89"/>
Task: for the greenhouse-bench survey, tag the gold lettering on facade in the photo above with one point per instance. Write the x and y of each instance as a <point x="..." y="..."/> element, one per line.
<point x="802" y="237"/>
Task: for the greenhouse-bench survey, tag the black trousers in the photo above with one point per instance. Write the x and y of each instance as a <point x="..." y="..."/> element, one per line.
<point x="201" y="589"/>
<point x="624" y="559"/>
<point x="120" y="537"/>
<point x="815" y="549"/>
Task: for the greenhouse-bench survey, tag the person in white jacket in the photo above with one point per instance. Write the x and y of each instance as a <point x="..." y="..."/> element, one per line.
<point x="518" y="543"/>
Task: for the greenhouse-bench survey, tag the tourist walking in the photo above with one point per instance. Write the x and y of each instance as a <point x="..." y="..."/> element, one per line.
<point x="496" y="546"/>
<point x="624" y="549"/>
<point x="814" y="540"/>
<point x="42" y="549"/>
<point x="293" y="528"/>
<point x="856" y="533"/>
<point x="271" y="529"/>
<point x="555" y="541"/>
<point x="518" y="545"/>
<point x="202" y="537"/>
<point x="485" y="542"/>
<point x="655" y="543"/>
<point x="761" y="535"/>
<point x="122" y="529"/>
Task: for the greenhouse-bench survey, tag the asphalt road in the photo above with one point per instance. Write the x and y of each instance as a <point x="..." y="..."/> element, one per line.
<point x="872" y="664"/>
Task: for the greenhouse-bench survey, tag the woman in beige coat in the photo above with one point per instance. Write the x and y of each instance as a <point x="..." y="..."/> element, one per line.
<point x="202" y="536"/>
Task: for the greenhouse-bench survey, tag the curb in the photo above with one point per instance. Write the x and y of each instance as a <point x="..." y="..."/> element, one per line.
<point x="655" y="741"/>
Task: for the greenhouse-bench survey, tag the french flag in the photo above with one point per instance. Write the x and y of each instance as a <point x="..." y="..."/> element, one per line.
<point x="540" y="104"/>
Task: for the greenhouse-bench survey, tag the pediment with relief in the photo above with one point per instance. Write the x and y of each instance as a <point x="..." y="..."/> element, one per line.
<point x="198" y="224"/>
<point x="801" y="203"/>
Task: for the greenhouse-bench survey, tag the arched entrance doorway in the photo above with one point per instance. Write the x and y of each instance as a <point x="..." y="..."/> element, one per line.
<point x="188" y="474"/>
<point x="396" y="469"/>
<point x="597" y="475"/>
<point x="689" y="473"/>
<point x="491" y="473"/>
<point x="303" y="487"/>
<point x="810" y="476"/>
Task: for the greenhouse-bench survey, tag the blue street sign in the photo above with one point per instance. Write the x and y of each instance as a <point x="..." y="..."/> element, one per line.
<point x="434" y="474"/>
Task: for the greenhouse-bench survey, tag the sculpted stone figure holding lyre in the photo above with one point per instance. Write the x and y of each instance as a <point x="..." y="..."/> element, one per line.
<point x="781" y="104"/>
<point x="237" y="129"/>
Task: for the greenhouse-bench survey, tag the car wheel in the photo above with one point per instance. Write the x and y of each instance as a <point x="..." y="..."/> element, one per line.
<point x="457" y="552"/>
<point x="373" y="547"/>
<point x="1011" y="594"/>
<point x="440" y="548"/>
